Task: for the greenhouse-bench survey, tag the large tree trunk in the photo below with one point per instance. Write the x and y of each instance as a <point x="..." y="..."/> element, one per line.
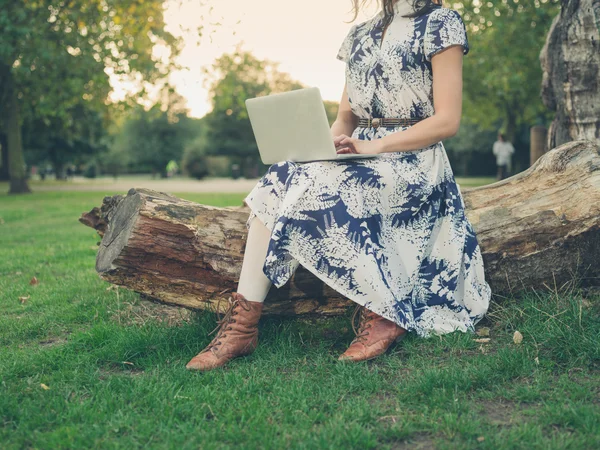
<point x="12" y="128"/>
<point x="571" y="66"/>
<point x="4" y="174"/>
<point x="537" y="229"/>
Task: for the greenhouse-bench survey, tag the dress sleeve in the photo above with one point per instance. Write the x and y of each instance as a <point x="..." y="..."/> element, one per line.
<point x="445" y="28"/>
<point x="343" y="53"/>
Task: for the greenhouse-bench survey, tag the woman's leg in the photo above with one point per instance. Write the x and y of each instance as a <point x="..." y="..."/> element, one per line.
<point x="238" y="334"/>
<point x="253" y="283"/>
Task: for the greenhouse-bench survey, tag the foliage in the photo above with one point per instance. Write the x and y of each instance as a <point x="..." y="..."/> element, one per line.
<point x="232" y="79"/>
<point x="149" y="139"/>
<point x="194" y="158"/>
<point x="54" y="55"/>
<point x="219" y="166"/>
<point x="50" y="140"/>
<point x="114" y="162"/>
<point x="331" y="110"/>
<point x="60" y="51"/>
<point x="470" y="151"/>
<point x="502" y="73"/>
<point x="91" y="169"/>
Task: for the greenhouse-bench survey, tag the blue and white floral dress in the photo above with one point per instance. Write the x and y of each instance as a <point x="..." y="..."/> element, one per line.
<point x="389" y="232"/>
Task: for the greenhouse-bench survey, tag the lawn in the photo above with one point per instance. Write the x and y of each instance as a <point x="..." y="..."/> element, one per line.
<point x="85" y="365"/>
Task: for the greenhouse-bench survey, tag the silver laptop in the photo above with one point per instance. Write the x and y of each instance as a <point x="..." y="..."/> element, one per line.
<point x="293" y="126"/>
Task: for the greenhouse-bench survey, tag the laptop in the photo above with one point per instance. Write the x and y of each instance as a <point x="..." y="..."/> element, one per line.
<point x="293" y="126"/>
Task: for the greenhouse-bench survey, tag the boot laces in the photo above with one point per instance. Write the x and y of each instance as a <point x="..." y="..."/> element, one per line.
<point x="363" y="323"/>
<point x="227" y="318"/>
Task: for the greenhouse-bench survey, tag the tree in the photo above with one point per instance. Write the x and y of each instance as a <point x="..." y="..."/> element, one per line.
<point x="571" y="63"/>
<point x="149" y="139"/>
<point x="61" y="140"/>
<point x="4" y="176"/>
<point x="54" y="53"/>
<point x="501" y="74"/>
<point x="233" y="78"/>
<point x="194" y="161"/>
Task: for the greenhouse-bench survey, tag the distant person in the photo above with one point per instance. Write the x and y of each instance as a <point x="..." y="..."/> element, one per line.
<point x="503" y="150"/>
<point x="172" y="168"/>
<point x="235" y="171"/>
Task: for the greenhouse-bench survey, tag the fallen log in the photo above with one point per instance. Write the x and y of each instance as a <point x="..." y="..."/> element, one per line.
<point x="537" y="229"/>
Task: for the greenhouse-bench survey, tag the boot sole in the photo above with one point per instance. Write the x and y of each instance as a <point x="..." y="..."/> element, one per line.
<point x="393" y="344"/>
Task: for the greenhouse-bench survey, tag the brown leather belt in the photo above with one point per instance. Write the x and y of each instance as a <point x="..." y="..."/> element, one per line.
<point x="376" y="122"/>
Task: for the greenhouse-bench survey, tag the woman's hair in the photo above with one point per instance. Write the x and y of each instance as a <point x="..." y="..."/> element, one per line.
<point x="420" y="7"/>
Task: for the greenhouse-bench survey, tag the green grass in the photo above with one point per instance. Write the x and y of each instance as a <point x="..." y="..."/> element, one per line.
<point x="105" y="180"/>
<point x="469" y="182"/>
<point x="115" y="370"/>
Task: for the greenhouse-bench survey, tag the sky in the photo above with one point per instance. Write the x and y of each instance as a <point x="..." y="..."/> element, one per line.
<point x="303" y="36"/>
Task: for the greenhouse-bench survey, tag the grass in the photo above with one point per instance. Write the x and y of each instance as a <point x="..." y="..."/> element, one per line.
<point x="85" y="365"/>
<point x="106" y="180"/>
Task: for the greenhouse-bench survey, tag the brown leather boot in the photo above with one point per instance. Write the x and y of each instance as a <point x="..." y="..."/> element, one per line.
<point x="381" y="334"/>
<point x="237" y="336"/>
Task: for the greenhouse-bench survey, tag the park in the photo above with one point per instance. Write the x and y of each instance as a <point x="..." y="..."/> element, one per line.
<point x="122" y="232"/>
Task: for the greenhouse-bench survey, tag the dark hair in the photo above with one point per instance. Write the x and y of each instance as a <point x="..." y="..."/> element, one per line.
<point x="502" y="136"/>
<point x="420" y="6"/>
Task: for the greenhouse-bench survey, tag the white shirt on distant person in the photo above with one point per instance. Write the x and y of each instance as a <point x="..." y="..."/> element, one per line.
<point x="503" y="150"/>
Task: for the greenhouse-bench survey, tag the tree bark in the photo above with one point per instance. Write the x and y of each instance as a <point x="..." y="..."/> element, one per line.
<point x="537" y="229"/>
<point x="570" y="63"/>
<point x="12" y="129"/>
<point x="4" y="174"/>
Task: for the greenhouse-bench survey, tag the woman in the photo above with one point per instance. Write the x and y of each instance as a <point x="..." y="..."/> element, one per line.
<point x="390" y="233"/>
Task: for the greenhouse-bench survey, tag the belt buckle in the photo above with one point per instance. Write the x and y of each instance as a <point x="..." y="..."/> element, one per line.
<point x="375" y="122"/>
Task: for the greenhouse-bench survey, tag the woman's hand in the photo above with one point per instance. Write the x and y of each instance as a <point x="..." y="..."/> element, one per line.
<point x="346" y="144"/>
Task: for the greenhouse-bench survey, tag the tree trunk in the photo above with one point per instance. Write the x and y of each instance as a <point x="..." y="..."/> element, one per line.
<point x="4" y="175"/>
<point x="537" y="229"/>
<point x="12" y="128"/>
<point x="511" y="124"/>
<point x="570" y="63"/>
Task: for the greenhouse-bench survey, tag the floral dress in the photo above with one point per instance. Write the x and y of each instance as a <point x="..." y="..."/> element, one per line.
<point x="389" y="232"/>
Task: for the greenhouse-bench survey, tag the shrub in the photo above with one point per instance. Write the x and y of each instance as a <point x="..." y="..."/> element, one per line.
<point x="195" y="160"/>
<point x="219" y="166"/>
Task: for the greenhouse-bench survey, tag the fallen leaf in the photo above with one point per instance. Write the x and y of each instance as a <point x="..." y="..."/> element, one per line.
<point x="127" y="362"/>
<point x="34" y="281"/>
<point x="24" y="299"/>
<point x="537" y="360"/>
<point x="44" y="387"/>
<point x="517" y="337"/>
<point x="483" y="332"/>
<point x="483" y="340"/>
<point x="585" y="303"/>
<point x="480" y="439"/>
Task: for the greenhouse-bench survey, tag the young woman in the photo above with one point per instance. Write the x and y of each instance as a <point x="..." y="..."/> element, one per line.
<point x="390" y="233"/>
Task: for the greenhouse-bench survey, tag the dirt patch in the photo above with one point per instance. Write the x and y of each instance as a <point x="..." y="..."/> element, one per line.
<point x="416" y="441"/>
<point x="501" y="413"/>
<point x="53" y="341"/>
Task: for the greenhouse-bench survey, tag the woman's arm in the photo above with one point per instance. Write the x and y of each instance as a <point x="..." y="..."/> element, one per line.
<point x="346" y="121"/>
<point x="446" y="68"/>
